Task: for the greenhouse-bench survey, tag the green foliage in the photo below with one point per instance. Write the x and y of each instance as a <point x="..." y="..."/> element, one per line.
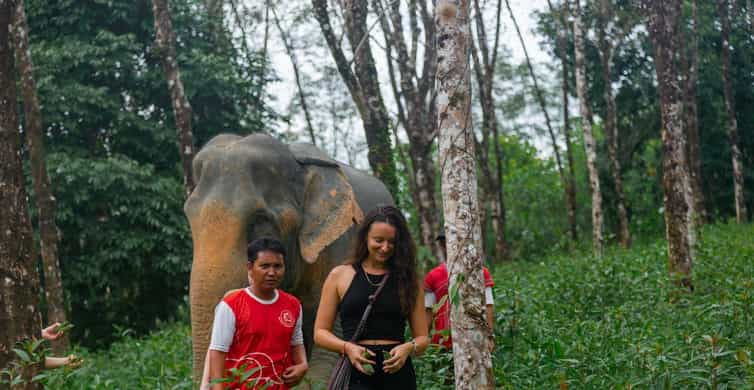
<point x="160" y="361"/>
<point x="593" y="323"/>
<point x="125" y="248"/>
<point x="579" y="321"/>
<point x="536" y="220"/>
<point x="29" y="356"/>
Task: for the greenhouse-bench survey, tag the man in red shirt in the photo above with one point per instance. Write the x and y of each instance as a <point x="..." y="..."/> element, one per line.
<point x="257" y="330"/>
<point x="436" y="287"/>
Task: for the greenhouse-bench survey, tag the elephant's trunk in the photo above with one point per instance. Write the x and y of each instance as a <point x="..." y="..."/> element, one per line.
<point x="219" y="255"/>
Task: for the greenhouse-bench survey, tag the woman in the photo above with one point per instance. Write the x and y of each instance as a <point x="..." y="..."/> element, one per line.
<point x="383" y="245"/>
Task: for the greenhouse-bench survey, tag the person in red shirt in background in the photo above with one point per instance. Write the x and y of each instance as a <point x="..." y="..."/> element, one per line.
<point x="436" y="287"/>
<point x="259" y="328"/>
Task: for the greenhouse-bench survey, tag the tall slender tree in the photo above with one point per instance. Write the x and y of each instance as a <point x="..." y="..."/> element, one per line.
<point x="543" y="106"/>
<point x="45" y="200"/>
<point x="691" y="114"/>
<point x="362" y="83"/>
<point x="414" y="99"/>
<point x="664" y="21"/>
<point x="472" y="339"/>
<point x="492" y="183"/>
<point x="165" y="45"/>
<point x="610" y="38"/>
<point x="735" y="149"/>
<point x="586" y="124"/>
<point x="19" y="283"/>
<point x="297" y="76"/>
<point x="562" y="52"/>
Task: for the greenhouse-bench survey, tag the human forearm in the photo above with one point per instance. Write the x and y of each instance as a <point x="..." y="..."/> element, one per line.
<point x="298" y="353"/>
<point x="216" y="368"/>
<point x="329" y="341"/>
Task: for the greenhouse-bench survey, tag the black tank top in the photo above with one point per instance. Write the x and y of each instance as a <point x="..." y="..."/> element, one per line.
<point x="385" y="322"/>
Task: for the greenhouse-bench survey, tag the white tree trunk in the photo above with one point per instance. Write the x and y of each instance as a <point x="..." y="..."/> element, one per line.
<point x="472" y="338"/>
<point x="586" y="123"/>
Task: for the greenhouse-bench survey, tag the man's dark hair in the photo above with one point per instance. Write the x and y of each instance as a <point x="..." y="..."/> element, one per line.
<point x="263" y="244"/>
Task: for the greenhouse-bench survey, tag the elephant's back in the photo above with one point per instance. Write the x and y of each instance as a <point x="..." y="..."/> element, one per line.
<point x="369" y="191"/>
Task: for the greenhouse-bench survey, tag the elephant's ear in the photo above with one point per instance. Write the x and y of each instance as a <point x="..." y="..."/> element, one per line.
<point x="330" y="206"/>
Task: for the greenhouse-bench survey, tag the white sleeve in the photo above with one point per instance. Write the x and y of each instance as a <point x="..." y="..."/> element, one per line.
<point x="297" y="338"/>
<point x="429" y="299"/>
<point x="488" y="299"/>
<point x="223" y="328"/>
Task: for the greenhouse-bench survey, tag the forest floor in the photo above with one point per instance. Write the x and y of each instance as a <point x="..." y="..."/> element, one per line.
<point x="566" y="321"/>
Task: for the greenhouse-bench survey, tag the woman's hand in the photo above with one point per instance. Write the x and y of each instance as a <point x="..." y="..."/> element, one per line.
<point x="398" y="357"/>
<point x="359" y="357"/>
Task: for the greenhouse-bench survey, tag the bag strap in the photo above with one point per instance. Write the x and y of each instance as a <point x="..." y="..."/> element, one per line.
<point x="372" y="298"/>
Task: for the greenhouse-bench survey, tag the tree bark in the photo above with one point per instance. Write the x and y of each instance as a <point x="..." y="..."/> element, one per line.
<point x="492" y="182"/>
<point x="611" y="128"/>
<point x="735" y="151"/>
<point x="165" y="46"/>
<point x="586" y="123"/>
<point x="45" y="200"/>
<point x="664" y="20"/>
<point x="541" y="100"/>
<point x="20" y="318"/>
<point x="472" y="338"/>
<point x="565" y="93"/>
<point x="692" y="126"/>
<point x="363" y="85"/>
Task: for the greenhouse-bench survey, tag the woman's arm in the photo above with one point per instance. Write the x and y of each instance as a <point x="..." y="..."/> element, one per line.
<point x="323" y="324"/>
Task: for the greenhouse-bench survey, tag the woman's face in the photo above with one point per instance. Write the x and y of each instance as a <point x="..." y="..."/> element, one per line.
<point x="381" y="242"/>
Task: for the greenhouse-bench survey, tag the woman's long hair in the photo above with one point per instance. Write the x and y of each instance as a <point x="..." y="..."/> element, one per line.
<point x="402" y="264"/>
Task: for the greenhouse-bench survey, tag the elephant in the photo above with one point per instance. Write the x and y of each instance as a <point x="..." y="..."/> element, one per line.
<point x="255" y="186"/>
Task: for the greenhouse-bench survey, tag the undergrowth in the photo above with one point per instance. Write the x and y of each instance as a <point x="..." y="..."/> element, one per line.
<point x="569" y="321"/>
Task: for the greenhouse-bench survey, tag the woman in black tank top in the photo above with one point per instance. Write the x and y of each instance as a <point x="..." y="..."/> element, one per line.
<point x="383" y="245"/>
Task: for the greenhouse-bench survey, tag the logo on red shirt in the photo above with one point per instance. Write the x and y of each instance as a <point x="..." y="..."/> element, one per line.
<point x="286" y="318"/>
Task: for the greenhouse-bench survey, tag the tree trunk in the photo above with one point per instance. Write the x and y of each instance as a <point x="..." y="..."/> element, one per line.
<point x="562" y="53"/>
<point x="664" y="20"/>
<point x="415" y="113"/>
<point x="692" y="126"/>
<point x="472" y="338"/>
<point x="19" y="284"/>
<point x="611" y="128"/>
<point x="492" y="182"/>
<point x="541" y="100"/>
<point x="165" y="45"/>
<point x="735" y="151"/>
<point x="586" y="123"/>
<point x="45" y="200"/>
<point x="362" y="84"/>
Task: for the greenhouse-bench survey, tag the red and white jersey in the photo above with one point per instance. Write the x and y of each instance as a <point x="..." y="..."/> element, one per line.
<point x="257" y="335"/>
<point x="436" y="287"/>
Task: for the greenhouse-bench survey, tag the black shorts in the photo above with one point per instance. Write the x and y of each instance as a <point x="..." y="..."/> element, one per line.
<point x="404" y="379"/>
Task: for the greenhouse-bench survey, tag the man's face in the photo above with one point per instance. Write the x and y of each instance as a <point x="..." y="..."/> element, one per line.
<point x="267" y="271"/>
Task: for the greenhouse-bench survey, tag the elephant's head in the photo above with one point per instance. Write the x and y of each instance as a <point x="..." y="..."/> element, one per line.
<point x="254" y="186"/>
